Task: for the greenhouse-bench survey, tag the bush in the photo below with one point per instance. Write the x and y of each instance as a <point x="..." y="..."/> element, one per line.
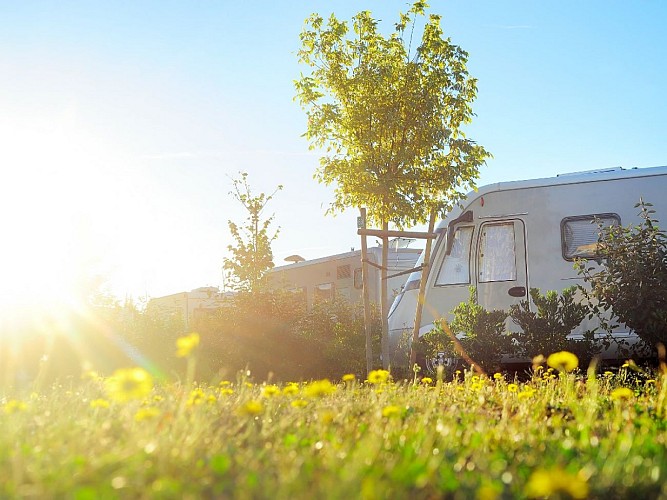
<point x="547" y="329"/>
<point x="482" y="334"/>
<point x="633" y="280"/>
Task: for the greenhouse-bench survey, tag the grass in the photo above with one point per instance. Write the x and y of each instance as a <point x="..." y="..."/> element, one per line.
<point x="561" y="434"/>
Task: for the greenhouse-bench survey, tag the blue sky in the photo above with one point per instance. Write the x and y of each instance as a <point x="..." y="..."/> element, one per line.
<point x="121" y="123"/>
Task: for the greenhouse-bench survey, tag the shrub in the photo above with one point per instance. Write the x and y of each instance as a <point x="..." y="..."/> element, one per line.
<point x="546" y="330"/>
<point x="633" y="280"/>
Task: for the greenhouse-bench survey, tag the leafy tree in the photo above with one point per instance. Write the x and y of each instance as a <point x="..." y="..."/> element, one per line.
<point x="632" y="282"/>
<point x="389" y="119"/>
<point x="251" y="256"/>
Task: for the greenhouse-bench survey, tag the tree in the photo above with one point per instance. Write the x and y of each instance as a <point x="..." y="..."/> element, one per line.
<point x="251" y="256"/>
<point x="389" y="120"/>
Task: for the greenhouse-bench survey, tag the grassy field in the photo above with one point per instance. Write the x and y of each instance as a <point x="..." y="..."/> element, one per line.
<point x="562" y="434"/>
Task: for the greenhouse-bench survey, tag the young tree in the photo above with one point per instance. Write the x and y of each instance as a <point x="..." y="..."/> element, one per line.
<point x="251" y="256"/>
<point x="389" y="119"/>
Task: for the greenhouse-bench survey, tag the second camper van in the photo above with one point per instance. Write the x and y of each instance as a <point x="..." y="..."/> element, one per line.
<point x="509" y="237"/>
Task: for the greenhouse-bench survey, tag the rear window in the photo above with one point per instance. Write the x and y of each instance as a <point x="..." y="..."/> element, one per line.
<point x="580" y="234"/>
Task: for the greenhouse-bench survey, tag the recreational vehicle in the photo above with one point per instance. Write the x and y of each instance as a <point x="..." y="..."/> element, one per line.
<point x="327" y="277"/>
<point x="509" y="237"/>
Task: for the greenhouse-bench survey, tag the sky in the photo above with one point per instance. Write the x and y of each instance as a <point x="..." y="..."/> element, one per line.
<point x="122" y="124"/>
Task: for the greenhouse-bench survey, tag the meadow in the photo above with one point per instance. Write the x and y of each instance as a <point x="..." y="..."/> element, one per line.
<point x="562" y="432"/>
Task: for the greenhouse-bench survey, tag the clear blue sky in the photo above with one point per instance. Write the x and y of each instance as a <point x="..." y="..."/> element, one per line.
<point x="121" y="123"/>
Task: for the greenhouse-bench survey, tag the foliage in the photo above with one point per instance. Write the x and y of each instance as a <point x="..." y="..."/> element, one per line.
<point x="555" y="435"/>
<point x="389" y="118"/>
<point x="251" y="255"/>
<point x="481" y="334"/>
<point x="546" y="329"/>
<point x="633" y="280"/>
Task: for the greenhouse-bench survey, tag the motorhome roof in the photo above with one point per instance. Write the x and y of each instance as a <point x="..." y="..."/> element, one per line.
<point x="560" y="179"/>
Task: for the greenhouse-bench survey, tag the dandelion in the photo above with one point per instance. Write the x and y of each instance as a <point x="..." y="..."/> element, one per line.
<point x="608" y="374"/>
<point x="621" y="393"/>
<point x="185" y="345"/>
<point x="14" y="406"/>
<point x="476" y="386"/>
<point x="391" y="411"/>
<point x="563" y="361"/>
<point x="291" y="388"/>
<point x="270" y="391"/>
<point x="349" y="377"/>
<point x="251" y="408"/>
<point x="512" y="387"/>
<point x="198" y="396"/>
<point x="543" y="483"/>
<point x="298" y="403"/>
<point x="129" y="383"/>
<point x="378" y="376"/>
<point x="319" y="388"/>
<point x="99" y="403"/>
<point x="427" y="380"/>
<point x="498" y="376"/>
<point x="526" y="393"/>
<point x="225" y="383"/>
<point x="146" y="413"/>
<point x="226" y="391"/>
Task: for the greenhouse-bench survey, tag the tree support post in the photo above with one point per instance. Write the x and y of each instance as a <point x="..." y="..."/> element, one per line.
<point x="361" y="224"/>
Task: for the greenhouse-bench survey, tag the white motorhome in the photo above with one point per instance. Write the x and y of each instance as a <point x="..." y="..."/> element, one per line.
<point x="340" y="275"/>
<point x="512" y="236"/>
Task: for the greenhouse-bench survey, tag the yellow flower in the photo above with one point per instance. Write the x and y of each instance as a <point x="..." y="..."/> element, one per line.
<point x="291" y="388"/>
<point x="498" y="376"/>
<point x="270" y="390"/>
<point x="622" y="393"/>
<point x="298" y="403"/>
<point x="391" y="411"/>
<point x="608" y="374"/>
<point x="319" y="388"/>
<point x="427" y="380"/>
<point x="185" y="345"/>
<point x="198" y="396"/>
<point x="512" y="387"/>
<point x="99" y="403"/>
<point x="378" y="376"/>
<point x="543" y="483"/>
<point x="349" y="377"/>
<point x="146" y="413"/>
<point x="226" y="391"/>
<point x="129" y="383"/>
<point x="563" y="361"/>
<point x="251" y="408"/>
<point x="476" y="386"/>
<point x="225" y="383"/>
<point x="526" y="393"/>
<point x="14" y="406"/>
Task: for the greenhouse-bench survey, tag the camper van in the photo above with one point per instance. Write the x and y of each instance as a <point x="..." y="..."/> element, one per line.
<point x="340" y="275"/>
<point x="509" y="237"/>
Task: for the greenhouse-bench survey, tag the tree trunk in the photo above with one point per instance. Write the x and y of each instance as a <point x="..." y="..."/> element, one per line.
<point x="384" y="307"/>
<point x="422" y="291"/>
<point x="368" y="327"/>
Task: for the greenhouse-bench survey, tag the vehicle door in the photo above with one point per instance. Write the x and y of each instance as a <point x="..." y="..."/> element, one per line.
<point x="501" y="271"/>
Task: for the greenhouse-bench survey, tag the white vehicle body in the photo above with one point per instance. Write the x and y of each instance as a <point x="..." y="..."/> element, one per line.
<point x="340" y="275"/>
<point x="512" y="236"/>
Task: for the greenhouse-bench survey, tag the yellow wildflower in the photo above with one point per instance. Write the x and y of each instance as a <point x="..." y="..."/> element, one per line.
<point x="512" y="387"/>
<point x="391" y="411"/>
<point x="378" y="376"/>
<point x="14" y="406"/>
<point x="198" y="396"/>
<point x="225" y="383"/>
<point x="498" y="376"/>
<point x="526" y="393"/>
<point x="427" y="380"/>
<point x="99" y="403"/>
<point x="129" y="383"/>
<point x="226" y="391"/>
<point x="298" y="403"/>
<point x="146" y="413"/>
<point x="349" y="377"/>
<point x="185" y="345"/>
<point x="251" y="408"/>
<point x="563" y="361"/>
<point x="291" y="388"/>
<point x="543" y="483"/>
<point x="476" y="386"/>
<point x="319" y="388"/>
<point x="622" y="393"/>
<point x="270" y="391"/>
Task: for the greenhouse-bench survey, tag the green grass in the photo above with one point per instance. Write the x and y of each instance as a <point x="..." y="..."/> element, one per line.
<point x="568" y="435"/>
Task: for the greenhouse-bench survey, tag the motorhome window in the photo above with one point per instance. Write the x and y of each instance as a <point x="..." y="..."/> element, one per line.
<point x="580" y="234"/>
<point x="324" y="291"/>
<point x="497" y="253"/>
<point x="455" y="268"/>
<point x="358" y="282"/>
<point x="343" y="272"/>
